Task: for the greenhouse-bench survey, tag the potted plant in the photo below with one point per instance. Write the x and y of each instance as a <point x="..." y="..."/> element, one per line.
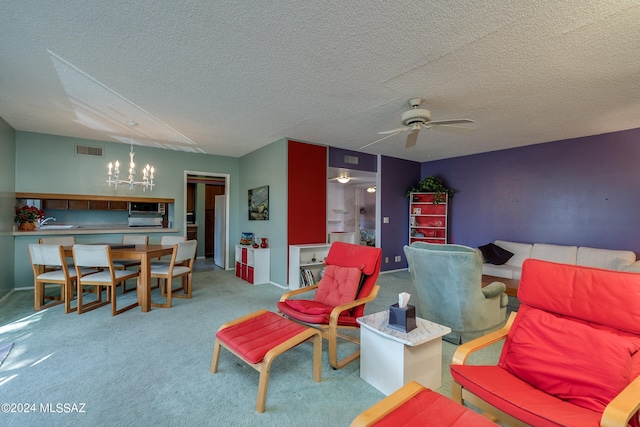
<point x="432" y="184"/>
<point x="27" y="217"/>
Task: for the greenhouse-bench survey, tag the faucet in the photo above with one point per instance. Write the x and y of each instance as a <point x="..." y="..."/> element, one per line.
<point x="47" y="219"/>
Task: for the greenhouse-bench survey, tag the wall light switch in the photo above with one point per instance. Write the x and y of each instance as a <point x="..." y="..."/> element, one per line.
<point x="385" y="220"/>
<point x="398" y="258"/>
<point x="386" y="260"/>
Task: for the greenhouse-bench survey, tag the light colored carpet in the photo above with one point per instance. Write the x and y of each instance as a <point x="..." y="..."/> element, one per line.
<point x="153" y="368"/>
<point x="4" y="351"/>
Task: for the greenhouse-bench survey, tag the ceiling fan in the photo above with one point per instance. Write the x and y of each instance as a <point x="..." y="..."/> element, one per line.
<point x="414" y="120"/>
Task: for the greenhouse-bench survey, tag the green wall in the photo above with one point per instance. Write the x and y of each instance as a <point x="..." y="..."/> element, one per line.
<point x="7" y="204"/>
<point x="48" y="164"/>
<point x="267" y="166"/>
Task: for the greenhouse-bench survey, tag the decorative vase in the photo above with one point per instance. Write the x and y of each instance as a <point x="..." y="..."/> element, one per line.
<point x="264" y="243"/>
<point x="27" y="226"/>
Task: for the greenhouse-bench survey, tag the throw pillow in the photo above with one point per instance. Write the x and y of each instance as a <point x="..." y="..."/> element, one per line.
<point x="338" y="286"/>
<point x="494" y="254"/>
<point x="550" y="352"/>
<point x="308" y="307"/>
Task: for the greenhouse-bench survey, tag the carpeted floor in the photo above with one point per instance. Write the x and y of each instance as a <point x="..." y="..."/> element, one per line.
<point x="5" y="348"/>
<point x="153" y="368"/>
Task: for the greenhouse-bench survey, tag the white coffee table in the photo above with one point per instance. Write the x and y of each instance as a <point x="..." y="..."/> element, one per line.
<point x="390" y="358"/>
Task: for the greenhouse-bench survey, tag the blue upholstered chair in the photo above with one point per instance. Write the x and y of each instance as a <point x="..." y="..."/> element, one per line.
<point x="448" y="282"/>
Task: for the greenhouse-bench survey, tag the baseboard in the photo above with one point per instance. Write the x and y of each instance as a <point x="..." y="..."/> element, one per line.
<point x="394" y="271"/>
<point x="7" y="295"/>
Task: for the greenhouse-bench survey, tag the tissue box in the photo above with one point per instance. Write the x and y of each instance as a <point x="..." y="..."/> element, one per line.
<point x="402" y="319"/>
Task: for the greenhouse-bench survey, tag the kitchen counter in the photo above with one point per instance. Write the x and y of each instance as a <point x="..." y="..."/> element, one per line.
<point x="86" y="233"/>
<point x="96" y="229"/>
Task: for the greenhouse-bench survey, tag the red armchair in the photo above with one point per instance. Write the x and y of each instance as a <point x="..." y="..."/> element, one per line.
<point x="571" y="355"/>
<point x="348" y="284"/>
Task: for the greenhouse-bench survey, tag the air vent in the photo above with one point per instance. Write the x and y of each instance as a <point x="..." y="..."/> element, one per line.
<point x="352" y="160"/>
<point x="85" y="150"/>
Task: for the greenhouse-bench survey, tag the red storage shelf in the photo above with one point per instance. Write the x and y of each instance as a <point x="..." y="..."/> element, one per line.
<point x="427" y="220"/>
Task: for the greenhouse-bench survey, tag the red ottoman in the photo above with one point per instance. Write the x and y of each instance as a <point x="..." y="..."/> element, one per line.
<point x="258" y="338"/>
<point x="415" y="405"/>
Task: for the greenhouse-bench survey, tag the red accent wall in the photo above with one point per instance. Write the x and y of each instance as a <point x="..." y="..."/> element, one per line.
<point x="307" y="195"/>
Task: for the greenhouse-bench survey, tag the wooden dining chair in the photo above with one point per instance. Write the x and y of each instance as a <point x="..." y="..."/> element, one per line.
<point x="62" y="241"/>
<point x="99" y="256"/>
<point x="52" y="257"/>
<point x="123" y="264"/>
<point x="58" y="240"/>
<point x="168" y="240"/>
<point x="180" y="266"/>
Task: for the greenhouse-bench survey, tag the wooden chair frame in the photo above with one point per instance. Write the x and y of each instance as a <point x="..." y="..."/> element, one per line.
<point x="617" y="413"/>
<point x="62" y="241"/>
<point x="264" y="367"/>
<point x="330" y="331"/>
<point x="387" y="405"/>
<point x="166" y="288"/>
<point x="44" y="274"/>
<point x="97" y="280"/>
<point x="123" y="264"/>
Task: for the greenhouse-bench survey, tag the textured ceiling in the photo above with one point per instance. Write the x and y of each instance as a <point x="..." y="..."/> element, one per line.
<point x="229" y="77"/>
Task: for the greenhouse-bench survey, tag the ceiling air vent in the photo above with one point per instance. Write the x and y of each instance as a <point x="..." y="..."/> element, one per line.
<point x="352" y="160"/>
<point x="85" y="150"/>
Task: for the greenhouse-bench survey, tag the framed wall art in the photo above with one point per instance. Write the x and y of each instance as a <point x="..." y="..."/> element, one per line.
<point x="259" y="203"/>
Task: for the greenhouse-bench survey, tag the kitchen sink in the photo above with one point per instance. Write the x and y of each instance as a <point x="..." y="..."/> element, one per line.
<point x="57" y="226"/>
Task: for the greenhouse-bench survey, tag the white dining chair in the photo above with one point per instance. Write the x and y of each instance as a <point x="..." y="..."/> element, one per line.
<point x="99" y="256"/>
<point x="171" y="239"/>
<point x="180" y="266"/>
<point x="62" y="241"/>
<point x="123" y="264"/>
<point x="58" y="240"/>
<point x="52" y="257"/>
<point x="168" y="240"/>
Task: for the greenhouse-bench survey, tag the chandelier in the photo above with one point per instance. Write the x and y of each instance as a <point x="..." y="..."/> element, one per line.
<point x="113" y="175"/>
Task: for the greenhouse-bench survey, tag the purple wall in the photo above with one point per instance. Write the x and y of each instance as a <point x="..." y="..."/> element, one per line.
<point x="366" y="162"/>
<point x="397" y="176"/>
<point x="583" y="192"/>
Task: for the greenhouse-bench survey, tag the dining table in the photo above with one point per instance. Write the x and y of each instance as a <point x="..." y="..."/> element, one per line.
<point x="143" y="253"/>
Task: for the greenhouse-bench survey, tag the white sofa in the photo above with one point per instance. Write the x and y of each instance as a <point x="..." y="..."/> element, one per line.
<point x="590" y="257"/>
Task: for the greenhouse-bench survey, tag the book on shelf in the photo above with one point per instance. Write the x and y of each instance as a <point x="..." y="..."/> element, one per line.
<point x="306" y="277"/>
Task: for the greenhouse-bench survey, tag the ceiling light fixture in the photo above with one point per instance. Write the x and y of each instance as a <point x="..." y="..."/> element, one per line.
<point x="147" y="173"/>
<point x="371" y="189"/>
<point x="343" y="179"/>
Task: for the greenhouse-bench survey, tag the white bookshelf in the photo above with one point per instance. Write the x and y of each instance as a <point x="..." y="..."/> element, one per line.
<point x="301" y="257"/>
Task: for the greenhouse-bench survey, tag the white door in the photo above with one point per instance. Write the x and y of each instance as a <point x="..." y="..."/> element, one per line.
<point x="219" y="232"/>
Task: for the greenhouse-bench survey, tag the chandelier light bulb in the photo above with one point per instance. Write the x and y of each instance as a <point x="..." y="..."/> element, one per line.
<point x="113" y="174"/>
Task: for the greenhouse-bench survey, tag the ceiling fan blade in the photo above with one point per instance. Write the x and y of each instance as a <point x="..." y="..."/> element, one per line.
<point x="381" y="139"/>
<point x="449" y="122"/>
<point x="412" y="138"/>
<point x="461" y="130"/>
<point x="398" y="130"/>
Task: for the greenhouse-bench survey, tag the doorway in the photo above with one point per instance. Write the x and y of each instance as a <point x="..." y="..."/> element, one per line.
<point x="352" y="206"/>
<point x="206" y="213"/>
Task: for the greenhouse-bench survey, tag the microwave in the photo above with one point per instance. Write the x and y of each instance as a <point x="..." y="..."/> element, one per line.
<point x="145" y="207"/>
